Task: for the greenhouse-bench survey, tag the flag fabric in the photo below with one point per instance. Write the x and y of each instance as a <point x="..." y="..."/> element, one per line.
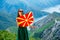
<point x="25" y="20"/>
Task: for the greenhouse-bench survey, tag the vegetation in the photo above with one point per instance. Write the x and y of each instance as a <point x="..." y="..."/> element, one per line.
<point x="5" y="35"/>
<point x="45" y="26"/>
<point x="33" y="38"/>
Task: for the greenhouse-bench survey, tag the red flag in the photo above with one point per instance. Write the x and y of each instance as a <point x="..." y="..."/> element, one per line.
<point x="25" y="20"/>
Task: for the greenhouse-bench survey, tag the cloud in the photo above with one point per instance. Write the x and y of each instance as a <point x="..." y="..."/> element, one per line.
<point x="52" y="9"/>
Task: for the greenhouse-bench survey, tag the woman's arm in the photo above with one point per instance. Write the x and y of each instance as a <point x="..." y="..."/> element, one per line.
<point x="17" y="21"/>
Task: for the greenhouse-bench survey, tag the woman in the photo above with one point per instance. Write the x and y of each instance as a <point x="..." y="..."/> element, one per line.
<point x="22" y="31"/>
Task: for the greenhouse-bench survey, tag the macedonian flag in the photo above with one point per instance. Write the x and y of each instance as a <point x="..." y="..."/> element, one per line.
<point x="25" y="20"/>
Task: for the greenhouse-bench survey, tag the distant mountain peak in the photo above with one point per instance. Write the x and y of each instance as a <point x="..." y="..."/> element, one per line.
<point x="52" y="9"/>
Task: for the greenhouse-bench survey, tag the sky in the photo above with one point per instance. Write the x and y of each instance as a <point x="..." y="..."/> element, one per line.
<point x="37" y="5"/>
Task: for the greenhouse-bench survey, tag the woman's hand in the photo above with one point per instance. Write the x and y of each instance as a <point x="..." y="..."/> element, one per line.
<point x="32" y="27"/>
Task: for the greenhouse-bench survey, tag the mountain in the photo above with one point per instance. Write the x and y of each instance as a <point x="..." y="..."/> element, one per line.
<point x="6" y="20"/>
<point x="47" y="28"/>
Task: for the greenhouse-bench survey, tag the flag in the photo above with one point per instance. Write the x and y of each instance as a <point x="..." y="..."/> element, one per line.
<point x="25" y="20"/>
